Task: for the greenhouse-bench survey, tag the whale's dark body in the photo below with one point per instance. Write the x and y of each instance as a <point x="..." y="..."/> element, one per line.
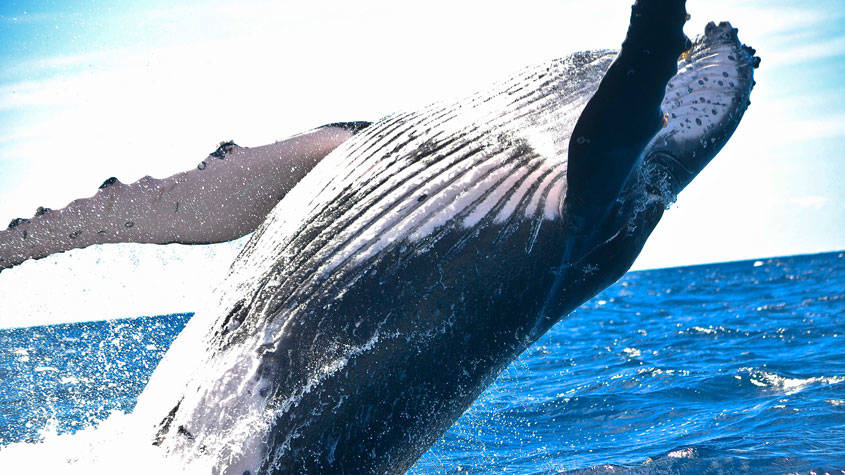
<point x="393" y="284"/>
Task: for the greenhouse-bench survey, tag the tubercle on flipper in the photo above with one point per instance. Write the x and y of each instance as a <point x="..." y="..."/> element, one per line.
<point x="732" y="34"/>
<point x="224" y="148"/>
<point x="108" y="182"/>
<point x="22" y="221"/>
<point x="17" y="222"/>
<point x="755" y="60"/>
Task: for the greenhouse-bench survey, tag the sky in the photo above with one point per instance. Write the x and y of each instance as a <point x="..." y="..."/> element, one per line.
<point x="95" y="89"/>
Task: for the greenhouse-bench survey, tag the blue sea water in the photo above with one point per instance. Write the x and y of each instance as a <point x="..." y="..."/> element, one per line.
<point x="724" y="368"/>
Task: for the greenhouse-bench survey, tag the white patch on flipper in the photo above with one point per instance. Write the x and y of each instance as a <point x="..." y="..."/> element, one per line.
<point x="699" y="98"/>
<point x="704" y="94"/>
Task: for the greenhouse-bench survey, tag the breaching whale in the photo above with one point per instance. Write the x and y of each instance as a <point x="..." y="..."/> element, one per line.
<point x="427" y="250"/>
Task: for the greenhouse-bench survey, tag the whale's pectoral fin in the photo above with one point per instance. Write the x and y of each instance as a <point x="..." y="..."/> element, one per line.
<point x="624" y="114"/>
<point x="225" y="197"/>
<point x="703" y="106"/>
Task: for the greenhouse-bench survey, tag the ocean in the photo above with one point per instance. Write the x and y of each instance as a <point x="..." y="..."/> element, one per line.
<point x="725" y="368"/>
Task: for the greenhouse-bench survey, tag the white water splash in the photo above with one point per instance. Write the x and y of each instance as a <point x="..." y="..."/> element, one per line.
<point x="112" y="281"/>
<point x="113" y="446"/>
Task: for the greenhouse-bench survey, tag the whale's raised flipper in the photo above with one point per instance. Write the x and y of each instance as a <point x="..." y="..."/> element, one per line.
<point x="225" y="197"/>
<point x="624" y="114"/>
<point x="702" y="108"/>
<point x="606" y="145"/>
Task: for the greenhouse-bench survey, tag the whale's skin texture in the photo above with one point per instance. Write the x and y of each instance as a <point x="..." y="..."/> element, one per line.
<point x="405" y="271"/>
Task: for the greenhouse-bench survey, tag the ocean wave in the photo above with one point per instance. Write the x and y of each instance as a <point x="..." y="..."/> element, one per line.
<point x="636" y="390"/>
<point x="787" y="385"/>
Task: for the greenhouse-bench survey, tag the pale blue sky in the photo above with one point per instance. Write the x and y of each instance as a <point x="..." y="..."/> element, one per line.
<point x="94" y="89"/>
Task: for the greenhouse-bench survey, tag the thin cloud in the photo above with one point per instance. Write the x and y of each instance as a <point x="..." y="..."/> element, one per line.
<point x="60" y="64"/>
<point x="819" y="50"/>
<point x="783" y="132"/>
<point x="814" y="201"/>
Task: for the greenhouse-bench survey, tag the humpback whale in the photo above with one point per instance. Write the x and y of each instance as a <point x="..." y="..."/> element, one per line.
<point x="417" y="256"/>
